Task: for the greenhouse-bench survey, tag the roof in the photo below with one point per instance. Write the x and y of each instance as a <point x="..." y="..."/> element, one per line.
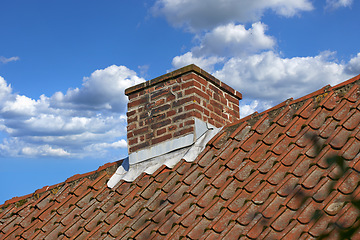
<point x="259" y="178"/>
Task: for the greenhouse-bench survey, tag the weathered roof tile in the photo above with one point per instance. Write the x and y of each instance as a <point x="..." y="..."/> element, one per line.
<point x="262" y="177"/>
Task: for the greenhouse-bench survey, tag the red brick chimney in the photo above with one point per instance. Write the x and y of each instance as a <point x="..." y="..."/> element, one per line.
<point x="168" y="112"/>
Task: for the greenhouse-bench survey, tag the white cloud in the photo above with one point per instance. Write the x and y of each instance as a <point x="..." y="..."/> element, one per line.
<point x="207" y="14"/>
<point x="44" y="151"/>
<point x="5" y="90"/>
<point x="91" y="117"/>
<point x="353" y="66"/>
<point x="334" y="4"/>
<point x="235" y="40"/>
<point x="7" y="60"/>
<point x="249" y="107"/>
<point x="226" y="41"/>
<point x="268" y="76"/>
<point x="101" y="146"/>
<point x="207" y="63"/>
<point x="267" y="79"/>
<point x="104" y="89"/>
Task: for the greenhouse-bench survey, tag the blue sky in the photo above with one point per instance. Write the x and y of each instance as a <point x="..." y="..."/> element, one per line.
<point x="65" y="64"/>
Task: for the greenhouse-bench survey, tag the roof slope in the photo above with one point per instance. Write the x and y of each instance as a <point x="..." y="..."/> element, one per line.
<point x="248" y="182"/>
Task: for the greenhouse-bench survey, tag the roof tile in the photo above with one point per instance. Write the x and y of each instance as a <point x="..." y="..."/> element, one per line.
<point x="283" y="219"/>
<point x="261" y="177"/>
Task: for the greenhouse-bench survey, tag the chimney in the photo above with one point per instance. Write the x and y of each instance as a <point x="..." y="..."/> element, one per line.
<point x="170" y="112"/>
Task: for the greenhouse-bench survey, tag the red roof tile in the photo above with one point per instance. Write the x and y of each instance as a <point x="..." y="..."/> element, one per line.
<point x="260" y="178"/>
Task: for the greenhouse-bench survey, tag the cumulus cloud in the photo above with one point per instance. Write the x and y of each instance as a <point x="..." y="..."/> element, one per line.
<point x="91" y="117"/>
<point x="10" y="59"/>
<point x="104" y="89"/>
<point x="249" y="107"/>
<point x="226" y="41"/>
<point x="207" y="14"/>
<point x="235" y="40"/>
<point x="353" y="67"/>
<point x="207" y="63"/>
<point x="334" y="4"/>
<point x="267" y="79"/>
<point x="268" y="76"/>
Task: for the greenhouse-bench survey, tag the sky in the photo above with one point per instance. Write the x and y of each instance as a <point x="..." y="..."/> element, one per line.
<point x="64" y="66"/>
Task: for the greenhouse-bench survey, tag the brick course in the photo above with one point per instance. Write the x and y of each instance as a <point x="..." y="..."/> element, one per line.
<point x="165" y="107"/>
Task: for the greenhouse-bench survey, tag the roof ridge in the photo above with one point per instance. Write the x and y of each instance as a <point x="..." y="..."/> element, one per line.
<point x="110" y="168"/>
<point x="297" y="103"/>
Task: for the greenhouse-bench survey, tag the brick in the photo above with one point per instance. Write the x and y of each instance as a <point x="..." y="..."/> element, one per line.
<point x="193" y="106"/>
<point x="223" y="100"/>
<point x="182" y="101"/>
<point x="170" y="113"/>
<point x="215" y="89"/>
<point x="217" y="111"/>
<point x="189" y="84"/>
<point x="197" y="99"/>
<point x="172" y="128"/>
<point x="198" y="92"/>
<point x="170" y="98"/>
<point x="215" y="117"/>
<point x="142" y="130"/>
<point x="132" y="119"/>
<point x="141" y="109"/>
<point x="196" y="114"/>
<point x="160" y="131"/>
<point x="160" y="109"/>
<point x="176" y="88"/>
<point x="161" y="139"/>
<point x="149" y="90"/>
<point x="132" y="96"/>
<point x="189" y="122"/>
<point x="130" y="113"/>
<point x="159" y="94"/>
<point x="133" y="141"/>
<point x="159" y="86"/>
<point x="129" y="135"/>
<point x="201" y="80"/>
<point x="188" y="77"/>
<point x="144" y="115"/>
<point x="216" y="104"/>
<point x="206" y="112"/>
<point x="184" y="131"/>
<point x="131" y="126"/>
<point x="231" y="99"/>
<point x="153" y="119"/>
<point x="181" y="117"/>
<point x="159" y="102"/>
<point x="235" y="107"/>
<point x="212" y="122"/>
<point x="216" y="97"/>
<point x="138" y="147"/>
<point x="160" y="124"/>
<point x="149" y="106"/>
<point x="143" y="100"/>
<point x="210" y="107"/>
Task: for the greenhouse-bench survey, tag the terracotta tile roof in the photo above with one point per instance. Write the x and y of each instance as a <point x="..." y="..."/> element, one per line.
<point x="249" y="182"/>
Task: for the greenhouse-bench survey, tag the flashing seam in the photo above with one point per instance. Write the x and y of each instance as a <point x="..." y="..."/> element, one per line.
<point x="129" y="172"/>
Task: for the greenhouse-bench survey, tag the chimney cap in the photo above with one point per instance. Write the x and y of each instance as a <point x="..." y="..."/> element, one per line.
<point x="189" y="68"/>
